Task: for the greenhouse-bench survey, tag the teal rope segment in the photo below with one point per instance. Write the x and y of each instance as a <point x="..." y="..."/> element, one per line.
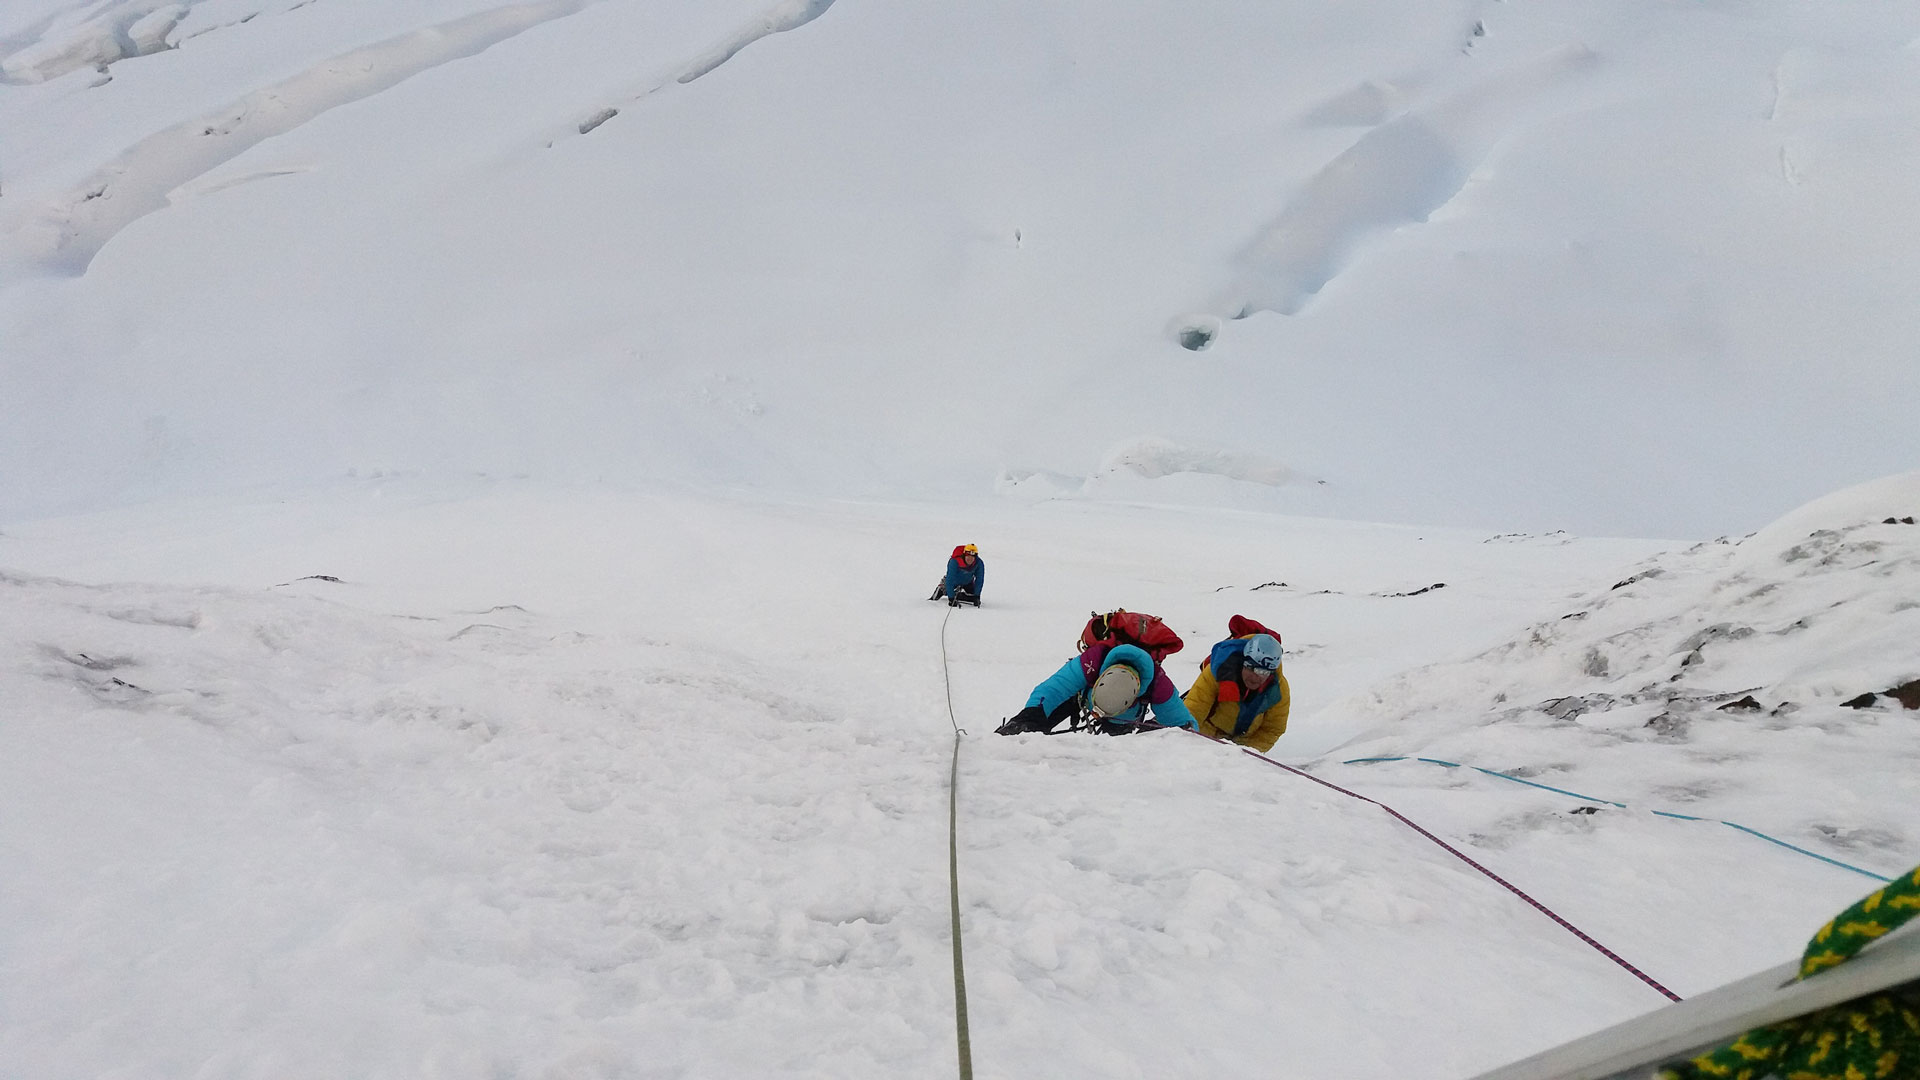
<point x="1610" y="802"/>
<point x="1545" y="787"/>
<point x="1463" y="857"/>
<point x="1804" y="851"/>
<point x="1489" y="772"/>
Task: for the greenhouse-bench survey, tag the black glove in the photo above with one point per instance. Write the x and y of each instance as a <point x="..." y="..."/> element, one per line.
<point x="1027" y="719"/>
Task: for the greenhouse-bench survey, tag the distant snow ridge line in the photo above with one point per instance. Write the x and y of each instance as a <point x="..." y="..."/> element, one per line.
<point x="118" y="32"/>
<point x="777" y="19"/>
<point x="1417" y="591"/>
<point x="1155" y="458"/>
<point x="1397" y="174"/>
<point x="783" y="16"/>
<point x="1797" y="618"/>
<point x="64" y="238"/>
<point x="1728" y="651"/>
<point x="1365" y="105"/>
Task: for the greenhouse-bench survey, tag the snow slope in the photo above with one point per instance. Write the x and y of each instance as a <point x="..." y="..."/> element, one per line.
<point x="469" y="471"/>
<point x="405" y="780"/>
<point x="1777" y="651"/>
<point x="1634" y="270"/>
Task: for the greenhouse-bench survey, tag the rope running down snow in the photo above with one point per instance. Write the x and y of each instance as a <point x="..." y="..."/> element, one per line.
<point x="953" y="866"/>
<point x="1623" y="806"/>
<point x="1509" y="886"/>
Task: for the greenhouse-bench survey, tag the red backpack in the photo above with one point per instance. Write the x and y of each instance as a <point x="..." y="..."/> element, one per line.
<point x="1123" y="627"/>
<point x="1241" y="626"/>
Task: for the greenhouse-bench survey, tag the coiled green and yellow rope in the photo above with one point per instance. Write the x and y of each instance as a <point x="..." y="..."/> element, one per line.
<point x="1873" y="1038"/>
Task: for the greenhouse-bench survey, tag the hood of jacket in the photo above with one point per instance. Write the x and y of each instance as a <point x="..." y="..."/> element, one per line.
<point x="1226" y="660"/>
<point x="1155" y="687"/>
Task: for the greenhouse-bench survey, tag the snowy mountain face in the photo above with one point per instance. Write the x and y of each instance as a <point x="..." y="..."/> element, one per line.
<point x="469" y="474"/>
<point x="1769" y="681"/>
<point x="1805" y="626"/>
<point x="1629" y="270"/>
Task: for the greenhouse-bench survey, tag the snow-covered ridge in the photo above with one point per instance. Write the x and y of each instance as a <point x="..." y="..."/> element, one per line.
<point x="778" y="19"/>
<point x="104" y="35"/>
<point x="1784" y="660"/>
<point x="1396" y="175"/>
<point x="1203" y="473"/>
<point x="282" y="235"/>
<point x="65" y="235"/>
<point x="1823" y="617"/>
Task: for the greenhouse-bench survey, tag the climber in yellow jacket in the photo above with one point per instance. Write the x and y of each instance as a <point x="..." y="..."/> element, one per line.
<point x="1241" y="695"/>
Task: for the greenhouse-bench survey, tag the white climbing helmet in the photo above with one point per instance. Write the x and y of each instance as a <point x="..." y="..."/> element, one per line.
<point x="1262" y="652"/>
<point x="1114" y="691"/>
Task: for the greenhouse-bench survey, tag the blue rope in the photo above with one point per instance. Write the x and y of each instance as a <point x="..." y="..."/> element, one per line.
<point x="1804" y="851"/>
<point x="1610" y="802"/>
<point x="1529" y="783"/>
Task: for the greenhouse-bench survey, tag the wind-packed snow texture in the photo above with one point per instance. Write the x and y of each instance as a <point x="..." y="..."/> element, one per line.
<point x="401" y="780"/>
<point x="469" y="473"/>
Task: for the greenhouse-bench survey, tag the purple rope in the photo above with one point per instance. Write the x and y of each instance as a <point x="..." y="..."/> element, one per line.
<point x="1509" y="886"/>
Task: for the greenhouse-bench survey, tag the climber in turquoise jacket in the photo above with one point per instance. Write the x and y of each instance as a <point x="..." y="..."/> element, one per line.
<point x="1116" y="687"/>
